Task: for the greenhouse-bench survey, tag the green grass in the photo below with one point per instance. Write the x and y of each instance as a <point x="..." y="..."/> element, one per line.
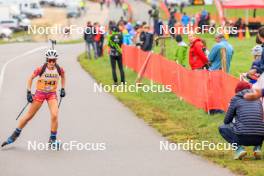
<point x="75" y="41"/>
<point x="173" y="118"/>
<point x="21" y="35"/>
<point x="242" y="57"/>
<point x="192" y="10"/>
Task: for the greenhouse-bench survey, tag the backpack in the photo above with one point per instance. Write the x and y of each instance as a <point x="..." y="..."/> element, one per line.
<point x="45" y="66"/>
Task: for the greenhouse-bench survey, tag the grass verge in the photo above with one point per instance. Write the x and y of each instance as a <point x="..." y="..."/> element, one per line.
<point x="20" y="36"/>
<point x="75" y="41"/>
<point x="241" y="60"/>
<point x="173" y="118"/>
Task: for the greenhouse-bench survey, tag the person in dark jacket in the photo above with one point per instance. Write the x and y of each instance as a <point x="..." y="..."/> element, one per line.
<point x="89" y="40"/>
<point x="146" y="39"/>
<point x="243" y="124"/>
<point x="154" y="13"/>
<point x="259" y="90"/>
<point x="115" y="40"/>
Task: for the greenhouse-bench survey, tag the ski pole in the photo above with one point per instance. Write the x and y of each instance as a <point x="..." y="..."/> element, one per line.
<point x="53" y="43"/>
<point x="60" y="102"/>
<point x="22" y="110"/>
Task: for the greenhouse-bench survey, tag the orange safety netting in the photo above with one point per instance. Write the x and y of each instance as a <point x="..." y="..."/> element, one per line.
<point x="203" y="89"/>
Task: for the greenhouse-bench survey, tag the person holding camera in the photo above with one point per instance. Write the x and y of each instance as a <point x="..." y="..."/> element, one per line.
<point x="154" y="13"/>
<point x="115" y="41"/>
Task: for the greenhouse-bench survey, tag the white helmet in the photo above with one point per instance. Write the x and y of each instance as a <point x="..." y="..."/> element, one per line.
<point x="257" y="50"/>
<point x="51" y="54"/>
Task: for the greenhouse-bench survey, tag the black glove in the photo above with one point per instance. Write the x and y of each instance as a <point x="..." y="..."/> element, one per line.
<point x="62" y="93"/>
<point x="29" y="96"/>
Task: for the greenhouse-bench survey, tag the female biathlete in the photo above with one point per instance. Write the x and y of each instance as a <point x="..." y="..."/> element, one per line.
<point x="49" y="75"/>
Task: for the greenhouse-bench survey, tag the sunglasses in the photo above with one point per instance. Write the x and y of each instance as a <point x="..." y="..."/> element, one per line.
<point x="51" y="60"/>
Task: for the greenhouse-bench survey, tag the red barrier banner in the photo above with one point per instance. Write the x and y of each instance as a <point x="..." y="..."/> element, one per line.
<point x="204" y="89"/>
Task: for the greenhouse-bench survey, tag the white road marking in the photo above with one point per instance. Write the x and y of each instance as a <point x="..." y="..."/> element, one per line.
<point x="12" y="60"/>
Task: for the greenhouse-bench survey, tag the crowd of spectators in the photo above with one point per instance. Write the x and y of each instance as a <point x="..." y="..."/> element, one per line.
<point x="243" y="124"/>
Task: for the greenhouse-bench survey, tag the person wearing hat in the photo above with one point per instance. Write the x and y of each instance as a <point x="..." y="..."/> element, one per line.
<point x="243" y="123"/>
<point x="254" y="72"/>
<point x="259" y="85"/>
<point x="260" y="42"/>
<point x="197" y="57"/>
<point x="215" y="55"/>
<point x="115" y="41"/>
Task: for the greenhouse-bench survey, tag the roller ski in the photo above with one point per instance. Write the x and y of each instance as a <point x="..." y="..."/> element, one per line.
<point x="12" y="138"/>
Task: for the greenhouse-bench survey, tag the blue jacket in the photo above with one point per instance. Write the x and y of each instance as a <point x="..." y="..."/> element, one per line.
<point x="248" y="115"/>
<point x="259" y="66"/>
<point x="185" y="20"/>
<point x="215" y="55"/>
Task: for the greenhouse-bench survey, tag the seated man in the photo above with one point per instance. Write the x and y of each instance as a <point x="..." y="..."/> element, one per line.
<point x="244" y="123"/>
<point x="255" y="71"/>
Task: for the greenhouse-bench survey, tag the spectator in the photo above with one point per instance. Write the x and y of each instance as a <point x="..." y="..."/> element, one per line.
<point x="146" y="39"/>
<point x="259" y="86"/>
<point x="128" y="34"/>
<point x="161" y="31"/>
<point x="108" y="3"/>
<point x="197" y="57"/>
<point x="89" y="40"/>
<point x="115" y="43"/>
<point x="121" y="21"/>
<point x="125" y="9"/>
<point x="171" y="24"/>
<point x="253" y="73"/>
<point x="204" y="14"/>
<point x="97" y="39"/>
<point x="260" y="40"/>
<point x="182" y="5"/>
<point x="185" y="19"/>
<point x="154" y="13"/>
<point x="130" y="29"/>
<point x="111" y="24"/>
<point x="173" y="10"/>
<point x="181" y="50"/>
<point x="118" y="3"/>
<point x="101" y="41"/>
<point x="243" y="124"/>
<point x="127" y="38"/>
<point x="192" y="21"/>
<point x="102" y="4"/>
<point x="216" y="55"/>
<point x="239" y="25"/>
<point x="139" y="30"/>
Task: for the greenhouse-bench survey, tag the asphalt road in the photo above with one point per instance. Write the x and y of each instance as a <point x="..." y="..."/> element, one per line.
<point x="132" y="147"/>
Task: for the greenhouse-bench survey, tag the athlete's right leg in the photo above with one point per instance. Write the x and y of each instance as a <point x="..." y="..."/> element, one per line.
<point x="113" y="66"/>
<point x="22" y="123"/>
<point x="30" y="114"/>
